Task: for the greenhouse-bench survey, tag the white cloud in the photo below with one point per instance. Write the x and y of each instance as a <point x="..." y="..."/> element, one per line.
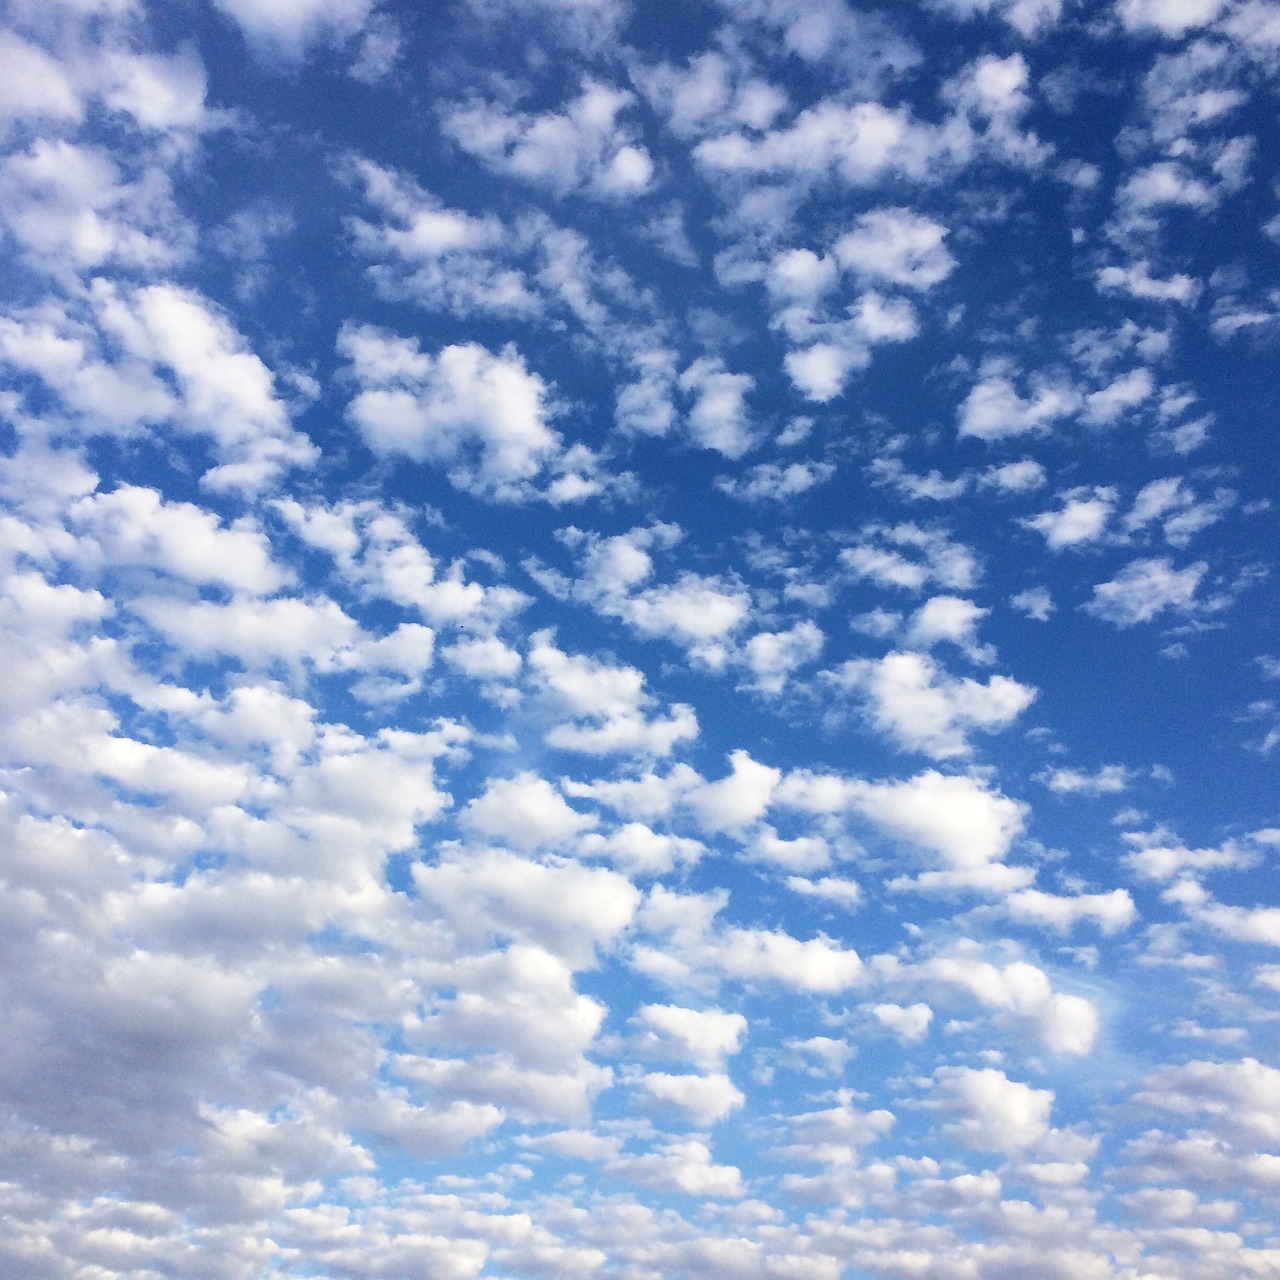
<point x="583" y="148"/>
<point x="705" y="1037"/>
<point x="994" y="410"/>
<point x="1035" y="602"/>
<point x="1107" y="779"/>
<point x="289" y="28"/>
<point x="638" y="850"/>
<point x="563" y="908"/>
<point x="799" y="853"/>
<point x="483" y="659"/>
<point x="694" y="953"/>
<point x="1239" y="1098"/>
<point x="703" y="1100"/>
<point x="524" y="812"/>
<point x="174" y="361"/>
<point x="1138" y="282"/>
<point x="990" y="1112"/>
<point x="293" y="632"/>
<point x="772" y="656"/>
<point x="1029" y="18"/>
<point x="135" y="526"/>
<point x="860" y="143"/>
<point x="1082" y="518"/>
<point x="72" y="211"/>
<point x="952" y="619"/>
<point x="1173" y="505"/>
<point x="1108" y="404"/>
<point x="436" y="256"/>
<point x="909" y="1023"/>
<point x="162" y="93"/>
<point x="482" y="417"/>
<point x="922" y="708"/>
<point x="1016" y="477"/>
<point x="1111" y="911"/>
<point x="1156" y="856"/>
<point x="1017" y="993"/>
<point x="697" y="612"/>
<point x="606" y="705"/>
<point x="840" y="892"/>
<point x="1144" y="589"/>
<point x="1168" y="17"/>
<point x="681" y="1167"/>
<point x="958" y="826"/>
<point x="718" y="417"/>
<point x="737" y="800"/>
<point x="646" y="407"/>
<point x="897" y="246"/>
<point x="772" y="482"/>
<point x="907" y="555"/>
<point x="37" y="86"/>
<point x="710" y="90"/>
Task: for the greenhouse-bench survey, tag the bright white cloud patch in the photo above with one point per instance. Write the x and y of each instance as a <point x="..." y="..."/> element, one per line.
<point x="638" y="640"/>
<point x="582" y="146"/>
<point x="480" y="416"/>
<point x="922" y="708"/>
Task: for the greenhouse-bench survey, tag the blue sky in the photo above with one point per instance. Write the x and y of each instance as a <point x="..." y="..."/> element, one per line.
<point x="640" y="639"/>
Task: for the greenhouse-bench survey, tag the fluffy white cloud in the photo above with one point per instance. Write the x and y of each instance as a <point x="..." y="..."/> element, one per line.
<point x="1169" y="17"/>
<point x="563" y="908"/>
<point x="907" y="555"/>
<point x="718" y="417"/>
<point x="989" y="1111"/>
<point x="682" y="1167"/>
<point x="1146" y="588"/>
<point x="772" y="656"/>
<point x="1137" y="281"/>
<point x="1241" y="1098"/>
<point x="482" y="417"/>
<point x="896" y="246"/>
<point x="37" y="87"/>
<point x="1018" y="993"/>
<point x="698" y="612"/>
<point x="703" y="1100"/>
<point x="1111" y="911"/>
<point x="705" y="1037"/>
<point x="289" y="27"/>
<point x="961" y="819"/>
<point x="771" y="482"/>
<point x="951" y="619"/>
<point x="134" y="526"/>
<point x="1035" y="602"/>
<point x="606" y="705"/>
<point x="1107" y="779"/>
<point x="1082" y="517"/>
<point x="708" y="91"/>
<point x="1156" y="857"/>
<point x="583" y="147"/>
<point x="638" y="850"/>
<point x="524" y="812"/>
<point x="694" y="953"/>
<point x="737" y="800"/>
<point x="1028" y="17"/>
<point x="439" y="257"/>
<point x="922" y="708"/>
<point x="158" y="356"/>
<point x="72" y="210"/>
<point x="846" y="894"/>
<point x="994" y="409"/>
<point x="910" y="1023"/>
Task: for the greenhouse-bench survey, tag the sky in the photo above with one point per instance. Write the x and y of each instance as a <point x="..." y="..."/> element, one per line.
<point x="640" y="640"/>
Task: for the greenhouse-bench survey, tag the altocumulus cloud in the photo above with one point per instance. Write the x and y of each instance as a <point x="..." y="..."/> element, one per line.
<point x="638" y="639"/>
